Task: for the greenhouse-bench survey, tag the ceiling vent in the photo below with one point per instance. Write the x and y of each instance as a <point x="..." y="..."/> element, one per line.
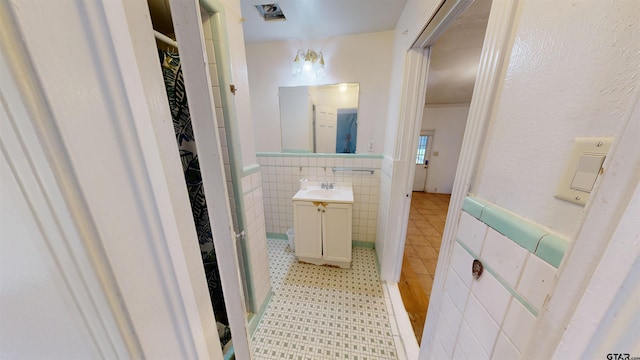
<point x="270" y="12"/>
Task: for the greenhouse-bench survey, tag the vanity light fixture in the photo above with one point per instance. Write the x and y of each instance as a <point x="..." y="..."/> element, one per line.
<point x="311" y="63"/>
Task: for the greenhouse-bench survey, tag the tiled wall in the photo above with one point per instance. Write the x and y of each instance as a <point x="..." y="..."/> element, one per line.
<point x="254" y="265"/>
<point x="215" y="86"/>
<point x="493" y="317"/>
<point x="281" y="173"/>
<point x="383" y="206"/>
<point x="255" y="242"/>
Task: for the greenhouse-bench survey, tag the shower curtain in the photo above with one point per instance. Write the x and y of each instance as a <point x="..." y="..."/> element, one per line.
<point x="347" y="130"/>
<point x="179" y="106"/>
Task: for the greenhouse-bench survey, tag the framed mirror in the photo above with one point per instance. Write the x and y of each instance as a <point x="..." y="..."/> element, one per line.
<point x="319" y="119"/>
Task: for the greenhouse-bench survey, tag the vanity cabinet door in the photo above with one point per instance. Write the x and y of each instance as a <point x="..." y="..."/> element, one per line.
<point x="307" y="219"/>
<point x="336" y="229"/>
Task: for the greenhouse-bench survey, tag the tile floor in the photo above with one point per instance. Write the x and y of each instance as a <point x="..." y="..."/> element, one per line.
<point x="424" y="234"/>
<point x="319" y="312"/>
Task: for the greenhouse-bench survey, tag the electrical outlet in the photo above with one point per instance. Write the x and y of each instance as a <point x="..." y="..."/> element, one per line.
<point x="370" y="147"/>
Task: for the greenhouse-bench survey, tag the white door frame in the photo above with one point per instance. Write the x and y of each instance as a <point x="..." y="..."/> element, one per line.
<point x="120" y="228"/>
<point x="101" y="36"/>
<point x="608" y="205"/>
<point x="495" y="51"/>
<point x="188" y="29"/>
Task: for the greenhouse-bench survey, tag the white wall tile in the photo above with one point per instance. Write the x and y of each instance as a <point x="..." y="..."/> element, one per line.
<point x="518" y="325"/>
<point x="438" y="352"/>
<point x="461" y="263"/>
<point x="458" y="354"/>
<point x="450" y="313"/>
<point x="492" y="296"/>
<point x="470" y="344"/>
<point x="483" y="326"/>
<point x="456" y="290"/>
<point x="536" y="280"/>
<point x="504" y="256"/>
<point x="447" y="336"/>
<point x="471" y="232"/>
<point x="505" y="350"/>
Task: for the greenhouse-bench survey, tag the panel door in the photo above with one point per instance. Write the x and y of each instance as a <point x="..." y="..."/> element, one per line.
<point x="326" y="129"/>
<point x="337" y="232"/>
<point x="307" y="219"/>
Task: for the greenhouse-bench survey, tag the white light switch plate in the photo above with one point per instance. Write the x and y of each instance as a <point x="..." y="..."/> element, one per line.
<point x="582" y="169"/>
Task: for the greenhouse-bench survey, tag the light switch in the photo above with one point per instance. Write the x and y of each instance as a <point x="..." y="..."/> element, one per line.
<point x="587" y="172"/>
<point x="582" y="169"/>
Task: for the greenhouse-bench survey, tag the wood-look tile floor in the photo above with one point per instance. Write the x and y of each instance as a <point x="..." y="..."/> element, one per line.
<point x="424" y="234"/>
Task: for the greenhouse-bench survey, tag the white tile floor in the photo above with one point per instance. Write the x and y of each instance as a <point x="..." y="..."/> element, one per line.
<point x="320" y="312"/>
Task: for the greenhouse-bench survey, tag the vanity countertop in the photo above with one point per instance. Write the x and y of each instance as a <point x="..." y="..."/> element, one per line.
<point x="341" y="193"/>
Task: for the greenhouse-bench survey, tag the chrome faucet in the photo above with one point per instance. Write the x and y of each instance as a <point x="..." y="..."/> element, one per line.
<point x="327" y="185"/>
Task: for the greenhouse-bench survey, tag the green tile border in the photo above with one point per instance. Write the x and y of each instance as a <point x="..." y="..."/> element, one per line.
<point x="354" y="243"/>
<point x="502" y="282"/>
<point x="250" y="170"/>
<point x="518" y="230"/>
<point x="551" y="249"/>
<point x="277" y="236"/>
<point x="310" y="155"/>
<point x="548" y="247"/>
<point x="363" y="244"/>
<point x="256" y="318"/>
<point x="473" y="207"/>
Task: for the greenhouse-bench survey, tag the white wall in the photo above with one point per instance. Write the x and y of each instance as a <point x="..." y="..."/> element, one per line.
<point x="571" y="73"/>
<point x="448" y="123"/>
<point x="364" y="58"/>
<point x="238" y="64"/>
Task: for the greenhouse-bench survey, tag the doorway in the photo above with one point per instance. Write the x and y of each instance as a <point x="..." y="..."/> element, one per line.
<point x="423" y="153"/>
<point x="445" y="109"/>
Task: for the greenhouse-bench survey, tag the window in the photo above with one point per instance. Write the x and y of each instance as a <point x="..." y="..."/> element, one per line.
<point x="422" y="149"/>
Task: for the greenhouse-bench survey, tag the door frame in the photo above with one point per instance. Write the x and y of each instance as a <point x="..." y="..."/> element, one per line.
<point x="495" y="52"/>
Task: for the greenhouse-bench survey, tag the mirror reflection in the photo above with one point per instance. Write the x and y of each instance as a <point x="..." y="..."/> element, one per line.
<point x="319" y="119"/>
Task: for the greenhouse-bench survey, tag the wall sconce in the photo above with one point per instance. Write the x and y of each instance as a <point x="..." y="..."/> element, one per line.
<point x="310" y="62"/>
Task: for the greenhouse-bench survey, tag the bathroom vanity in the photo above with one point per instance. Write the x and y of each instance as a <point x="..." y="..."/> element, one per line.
<point x="322" y="223"/>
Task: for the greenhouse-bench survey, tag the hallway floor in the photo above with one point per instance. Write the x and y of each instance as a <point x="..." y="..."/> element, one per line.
<point x="424" y="234"/>
<point x="320" y="312"/>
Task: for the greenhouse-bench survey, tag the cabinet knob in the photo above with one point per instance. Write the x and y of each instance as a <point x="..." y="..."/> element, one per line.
<point x="318" y="210"/>
<point x="322" y="210"/>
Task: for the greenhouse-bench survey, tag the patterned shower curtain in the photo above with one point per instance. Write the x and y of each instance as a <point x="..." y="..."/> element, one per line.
<point x="178" y="104"/>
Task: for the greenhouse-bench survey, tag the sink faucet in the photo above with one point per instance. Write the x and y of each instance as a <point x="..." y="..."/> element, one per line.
<point x="327" y="185"/>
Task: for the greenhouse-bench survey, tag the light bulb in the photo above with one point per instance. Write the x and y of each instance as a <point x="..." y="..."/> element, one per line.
<point x="307" y="66"/>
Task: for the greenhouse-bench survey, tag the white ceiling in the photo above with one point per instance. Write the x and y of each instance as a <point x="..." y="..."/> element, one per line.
<point x="320" y="19"/>
<point x="454" y="57"/>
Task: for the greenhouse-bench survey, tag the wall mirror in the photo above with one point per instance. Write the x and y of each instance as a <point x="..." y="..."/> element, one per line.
<point x="319" y="119"/>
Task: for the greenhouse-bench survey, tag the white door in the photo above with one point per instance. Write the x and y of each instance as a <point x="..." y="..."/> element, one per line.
<point x="326" y="129"/>
<point x="422" y="161"/>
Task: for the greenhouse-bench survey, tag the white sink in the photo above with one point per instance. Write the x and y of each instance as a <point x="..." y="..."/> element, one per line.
<point x="342" y="194"/>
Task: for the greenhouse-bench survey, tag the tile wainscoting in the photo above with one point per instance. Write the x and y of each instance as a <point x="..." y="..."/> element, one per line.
<point x="281" y="173"/>
<point x="493" y="317"/>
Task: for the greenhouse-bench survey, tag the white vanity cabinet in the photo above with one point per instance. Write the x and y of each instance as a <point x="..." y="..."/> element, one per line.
<point x="323" y="232"/>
